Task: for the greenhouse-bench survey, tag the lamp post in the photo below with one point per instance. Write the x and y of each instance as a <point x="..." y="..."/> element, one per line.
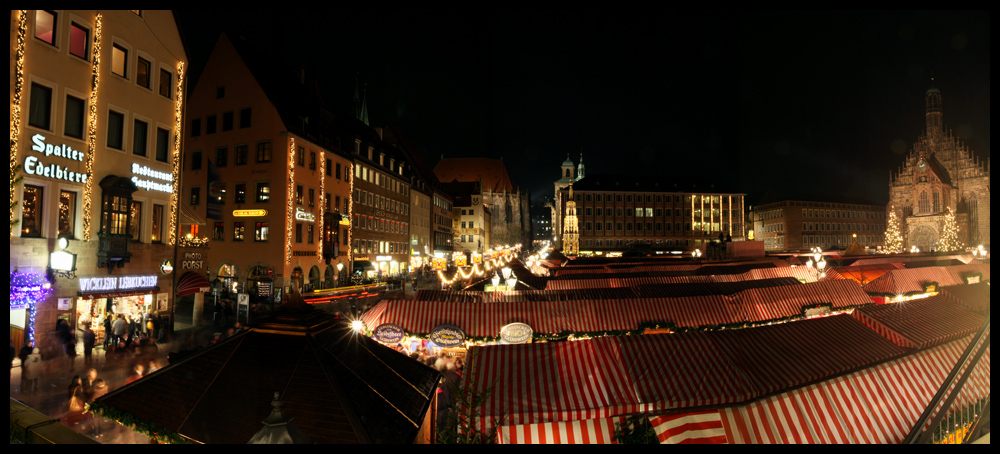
<point x="817" y="264"/>
<point x="340" y="269"/>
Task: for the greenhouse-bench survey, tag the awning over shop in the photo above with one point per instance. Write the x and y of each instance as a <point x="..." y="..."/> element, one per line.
<point x="192" y="282"/>
<point x="588" y="432"/>
<point x="363" y="265"/>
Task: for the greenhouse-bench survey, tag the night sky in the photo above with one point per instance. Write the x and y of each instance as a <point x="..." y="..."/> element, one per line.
<point x="798" y="104"/>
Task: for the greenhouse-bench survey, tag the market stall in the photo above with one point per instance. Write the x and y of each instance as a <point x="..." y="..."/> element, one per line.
<point x="975" y="297"/>
<point x="792" y="301"/>
<point x="616" y="376"/>
<point x="879" y="404"/>
<point x="906" y="284"/>
<point x="921" y="323"/>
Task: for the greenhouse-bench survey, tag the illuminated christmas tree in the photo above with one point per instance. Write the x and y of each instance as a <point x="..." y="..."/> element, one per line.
<point x="893" y="237"/>
<point x="949" y="237"/>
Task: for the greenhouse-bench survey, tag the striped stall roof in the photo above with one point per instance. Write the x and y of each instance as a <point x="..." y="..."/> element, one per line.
<point x="908" y="281"/>
<point x="902" y="259"/>
<point x="586" y="432"/>
<point x="703" y="427"/>
<point x="975" y="297"/>
<point x="773" y="303"/>
<point x="617" y="376"/>
<point x="921" y="323"/>
<point x="879" y="404"/>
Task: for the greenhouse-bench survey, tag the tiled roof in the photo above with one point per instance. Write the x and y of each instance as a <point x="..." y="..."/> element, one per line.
<point x="491" y="172"/>
<point x="338" y="387"/>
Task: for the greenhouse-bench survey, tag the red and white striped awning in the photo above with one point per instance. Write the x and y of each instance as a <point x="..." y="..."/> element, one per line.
<point x="879" y="404"/>
<point x="704" y="427"/>
<point x="913" y="280"/>
<point x="616" y="376"/>
<point x="975" y="297"/>
<point x="772" y="303"/>
<point x="921" y="323"/>
<point x="586" y="432"/>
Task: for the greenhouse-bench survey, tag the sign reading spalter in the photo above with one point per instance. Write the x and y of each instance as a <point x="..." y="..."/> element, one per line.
<point x="33" y="166"/>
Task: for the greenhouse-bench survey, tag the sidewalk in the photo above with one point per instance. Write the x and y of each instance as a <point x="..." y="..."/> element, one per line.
<point x="52" y="397"/>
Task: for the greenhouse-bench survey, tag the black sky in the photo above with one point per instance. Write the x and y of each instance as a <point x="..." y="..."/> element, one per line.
<point x="795" y="103"/>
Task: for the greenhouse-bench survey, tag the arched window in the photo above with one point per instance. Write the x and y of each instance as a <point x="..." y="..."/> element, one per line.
<point x="937" y="201"/>
<point x="925" y="206"/>
<point x="567" y="173"/>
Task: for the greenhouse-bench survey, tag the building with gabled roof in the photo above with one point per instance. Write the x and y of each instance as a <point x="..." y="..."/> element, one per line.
<point x="940" y="174"/>
<point x="511" y="222"/>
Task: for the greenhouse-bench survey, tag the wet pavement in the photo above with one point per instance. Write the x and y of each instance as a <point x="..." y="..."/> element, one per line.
<point x="52" y="395"/>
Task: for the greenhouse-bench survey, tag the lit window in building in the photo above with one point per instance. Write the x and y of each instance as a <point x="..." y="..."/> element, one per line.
<point x="119" y="61"/>
<point x="31" y="211"/>
<point x="45" y="26"/>
<point x="261" y="231"/>
<point x="157" y="223"/>
<point x="238" y="230"/>
<point x="136" y="221"/>
<point x="263" y="192"/>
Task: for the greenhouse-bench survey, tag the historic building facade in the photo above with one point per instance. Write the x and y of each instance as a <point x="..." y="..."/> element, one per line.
<point x="616" y="213"/>
<point x="509" y="206"/>
<point x="96" y="110"/>
<point x="940" y="174"/>
<point x="568" y="173"/>
<point x="794" y="225"/>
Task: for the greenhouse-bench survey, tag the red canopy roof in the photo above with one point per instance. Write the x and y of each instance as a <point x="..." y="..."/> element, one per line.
<point x="192" y="282"/>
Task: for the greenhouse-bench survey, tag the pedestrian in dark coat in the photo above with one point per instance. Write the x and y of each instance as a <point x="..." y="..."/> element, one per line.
<point x="89" y="339"/>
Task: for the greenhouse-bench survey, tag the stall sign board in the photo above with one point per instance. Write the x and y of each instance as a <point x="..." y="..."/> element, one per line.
<point x="447" y="336"/>
<point x="819" y="309"/>
<point x="388" y="333"/>
<point x="263" y="288"/>
<point x="516" y="333"/>
<point x="243" y="308"/>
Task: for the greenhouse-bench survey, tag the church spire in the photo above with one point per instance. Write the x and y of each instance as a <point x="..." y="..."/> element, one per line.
<point x="360" y="104"/>
<point x="935" y="124"/>
<point x="579" y="168"/>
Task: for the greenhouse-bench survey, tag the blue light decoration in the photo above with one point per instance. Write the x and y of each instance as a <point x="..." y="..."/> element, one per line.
<point x="26" y="290"/>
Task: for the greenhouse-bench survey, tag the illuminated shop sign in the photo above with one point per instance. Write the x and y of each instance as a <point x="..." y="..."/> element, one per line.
<point x="303" y="215"/>
<point x="144" y="171"/>
<point x="116" y="284"/>
<point x="33" y="166"/>
<point x="249" y="213"/>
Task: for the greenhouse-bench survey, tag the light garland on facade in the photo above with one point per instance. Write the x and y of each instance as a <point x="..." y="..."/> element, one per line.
<point x="290" y="200"/>
<point x="88" y="196"/>
<point x="322" y="206"/>
<point x="175" y="195"/>
<point x="15" y="108"/>
<point x="26" y="290"/>
<point x="350" y="214"/>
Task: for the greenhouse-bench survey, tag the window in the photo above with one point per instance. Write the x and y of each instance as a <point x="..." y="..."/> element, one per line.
<point x="142" y="72"/>
<point x="312" y="160"/>
<point x="195" y="196"/>
<point x="119" y="61"/>
<point x="329" y="168"/>
<point x="242" y="154"/>
<point x="165" y="78"/>
<point x="298" y="233"/>
<point x="312" y="197"/>
<point x="260" y="231"/>
<point x="298" y="194"/>
<point x="40" y="113"/>
<point x="219" y="231"/>
<point x="162" y="144"/>
<point x="238" y="230"/>
<point x="925" y="206"/>
<point x="263" y="192"/>
<point x="115" y="212"/>
<point x="78" y="39"/>
<point x="67" y="214"/>
<point x="45" y="26"/>
<point x="157" y="221"/>
<point x="210" y="124"/>
<point x="263" y="152"/>
<point x="196" y="160"/>
<point x="309" y="233"/>
<point x="220" y="92"/>
<point x="196" y="127"/>
<point x="300" y="156"/>
<point x="227" y="121"/>
<point x="245" y="118"/>
<point x="135" y="221"/>
<point x="74" y="117"/>
<point x="32" y="210"/>
<point x="140" y="130"/>
<point x="240" y="195"/>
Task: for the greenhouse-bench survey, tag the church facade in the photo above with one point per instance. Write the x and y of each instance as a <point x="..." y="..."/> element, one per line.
<point x="568" y="174"/>
<point x="940" y="174"/>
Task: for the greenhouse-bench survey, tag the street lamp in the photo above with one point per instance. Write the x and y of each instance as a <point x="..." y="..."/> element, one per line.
<point x="816" y="264"/>
<point x="340" y="268"/>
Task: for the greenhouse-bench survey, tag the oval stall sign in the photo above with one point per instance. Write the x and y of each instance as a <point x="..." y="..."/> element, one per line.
<point x="448" y="336"/>
<point x="388" y="333"/>
<point x="516" y="333"/>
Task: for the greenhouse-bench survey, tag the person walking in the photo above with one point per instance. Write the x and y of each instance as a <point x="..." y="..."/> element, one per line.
<point x="87" y="384"/>
<point x="31" y="370"/>
<point x="23" y="356"/>
<point x="118" y="329"/>
<point x="89" y="339"/>
<point x="107" y="331"/>
<point x="76" y="401"/>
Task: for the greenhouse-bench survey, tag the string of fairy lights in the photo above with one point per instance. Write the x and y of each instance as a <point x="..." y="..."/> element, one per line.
<point x="92" y="130"/>
<point x="15" y="109"/>
<point x="290" y="200"/>
<point x="488" y="265"/>
<point x="322" y="204"/>
<point x="178" y="121"/>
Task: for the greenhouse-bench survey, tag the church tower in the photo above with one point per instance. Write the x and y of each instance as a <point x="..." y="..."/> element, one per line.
<point x="935" y="124"/>
<point x="579" y="169"/>
<point x="571" y="230"/>
<point x="568" y="172"/>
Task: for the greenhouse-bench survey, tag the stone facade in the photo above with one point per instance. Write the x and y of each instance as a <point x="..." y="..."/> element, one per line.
<point x="940" y="173"/>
